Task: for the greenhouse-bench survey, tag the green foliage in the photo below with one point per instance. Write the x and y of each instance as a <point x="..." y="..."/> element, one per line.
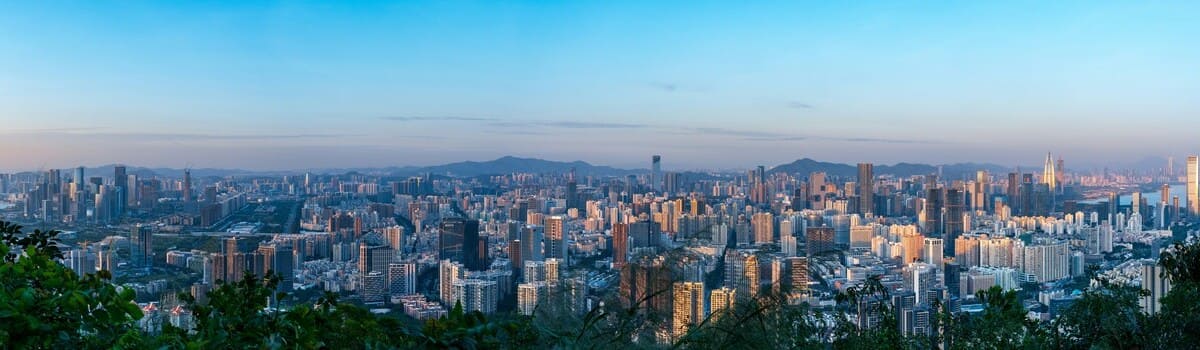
<point x="1001" y="325"/>
<point x="43" y="304"/>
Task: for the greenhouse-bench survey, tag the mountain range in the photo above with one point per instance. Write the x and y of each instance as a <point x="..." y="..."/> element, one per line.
<point x="511" y="164"/>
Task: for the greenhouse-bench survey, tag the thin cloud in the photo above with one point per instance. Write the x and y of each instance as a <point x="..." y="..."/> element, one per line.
<point x="447" y="118"/>
<point x="565" y="124"/>
<point x="52" y="130"/>
<point x="186" y="136"/>
<point x="735" y="132"/>
<point x="799" y="105"/>
<point x="668" y="87"/>
<point x="839" y="139"/>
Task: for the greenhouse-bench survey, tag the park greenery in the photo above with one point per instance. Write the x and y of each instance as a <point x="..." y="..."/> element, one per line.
<point x="45" y="305"/>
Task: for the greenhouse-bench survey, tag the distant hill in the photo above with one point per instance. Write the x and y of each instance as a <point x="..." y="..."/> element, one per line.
<point x="805" y="166"/>
<point x="510" y="164"/>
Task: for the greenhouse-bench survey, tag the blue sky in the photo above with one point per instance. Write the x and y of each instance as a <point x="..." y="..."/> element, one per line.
<point x="284" y="85"/>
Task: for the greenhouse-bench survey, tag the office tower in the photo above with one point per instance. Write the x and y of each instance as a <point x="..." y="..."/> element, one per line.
<point x="866" y="188"/>
<point x="1193" y="186"/>
<point x="1048" y="175"/>
<point x="187" y="185"/>
<point x="459" y="241"/>
<point x="449" y="273"/>
<point x="934" y="198"/>
<point x="373" y="256"/>
<point x="951" y="275"/>
<point x="402" y="278"/>
<point x="689" y="307"/>
<point x="764" y="228"/>
<point x="556" y="242"/>
<point x="76" y="179"/>
<point x="1013" y="192"/>
<point x="954" y="218"/>
<point x="911" y="244"/>
<point x="1155" y="285"/>
<point x="620" y="237"/>
<point x="143" y="249"/>
<point x="374" y="288"/>
<point x="819" y="240"/>
<point x="643" y="234"/>
<point x="1026" y="195"/>
<point x="721" y="299"/>
<point x="121" y="189"/>
<point x="934" y="251"/>
<point x="655" y="172"/>
<point x="741" y="272"/>
<point x="1170" y="167"/>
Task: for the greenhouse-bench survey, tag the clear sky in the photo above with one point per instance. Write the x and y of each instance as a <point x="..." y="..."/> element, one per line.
<point x="266" y="85"/>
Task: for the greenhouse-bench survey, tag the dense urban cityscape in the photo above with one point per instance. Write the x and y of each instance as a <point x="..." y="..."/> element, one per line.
<point x="600" y="175"/>
<point x="682" y="245"/>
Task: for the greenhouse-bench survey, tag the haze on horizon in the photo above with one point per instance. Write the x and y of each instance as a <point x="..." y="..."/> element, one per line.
<point x="706" y="85"/>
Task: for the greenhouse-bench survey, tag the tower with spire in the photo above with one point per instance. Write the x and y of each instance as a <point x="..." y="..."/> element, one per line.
<point x="1048" y="175"/>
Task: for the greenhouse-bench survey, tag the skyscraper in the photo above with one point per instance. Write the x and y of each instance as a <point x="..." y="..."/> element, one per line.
<point x="620" y="242"/>
<point x="187" y="185"/>
<point x="866" y="188"/>
<point x="140" y="239"/>
<point x="655" y="172"/>
<point x="459" y="241"/>
<point x="556" y="244"/>
<point x="1048" y="174"/>
<point x="121" y="187"/>
<point x="1193" y="186"/>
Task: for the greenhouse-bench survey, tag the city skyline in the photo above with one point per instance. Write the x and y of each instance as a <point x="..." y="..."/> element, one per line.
<point x="294" y="86"/>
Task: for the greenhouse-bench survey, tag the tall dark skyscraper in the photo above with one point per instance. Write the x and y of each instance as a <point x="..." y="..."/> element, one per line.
<point x="142" y="248"/>
<point x="934" y="220"/>
<point x="1027" y="199"/>
<point x="655" y="172"/>
<point x="459" y="241"/>
<point x="955" y="205"/>
<point x="1013" y="193"/>
<point x="866" y="188"/>
<point x="121" y="187"/>
<point x="187" y="185"/>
